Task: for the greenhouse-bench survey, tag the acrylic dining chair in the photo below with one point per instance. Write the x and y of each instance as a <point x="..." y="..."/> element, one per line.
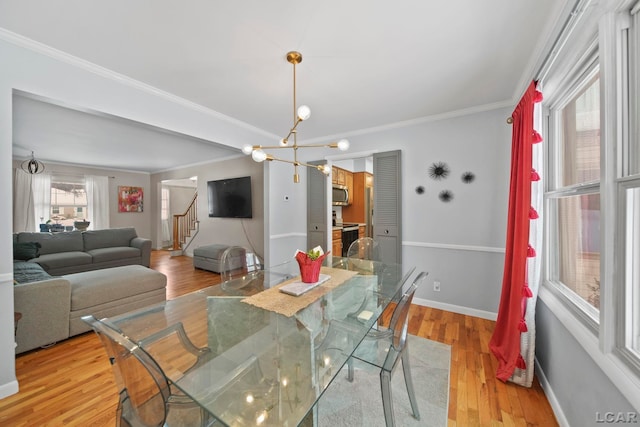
<point x="362" y="255"/>
<point x="391" y="347"/>
<point x="238" y="261"/>
<point x="147" y="397"/>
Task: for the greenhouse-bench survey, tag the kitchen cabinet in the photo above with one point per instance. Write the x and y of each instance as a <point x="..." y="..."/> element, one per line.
<point x="338" y="175"/>
<point x="336" y="239"/>
<point x="348" y="182"/>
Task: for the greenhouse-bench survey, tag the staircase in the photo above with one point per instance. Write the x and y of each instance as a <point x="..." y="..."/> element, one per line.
<point x="185" y="227"/>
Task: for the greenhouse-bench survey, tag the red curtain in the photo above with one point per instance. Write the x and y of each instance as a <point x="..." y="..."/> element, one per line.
<point x="505" y="341"/>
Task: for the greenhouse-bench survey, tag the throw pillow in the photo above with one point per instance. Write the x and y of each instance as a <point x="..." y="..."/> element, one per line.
<point x="26" y="251"/>
<point x="26" y="272"/>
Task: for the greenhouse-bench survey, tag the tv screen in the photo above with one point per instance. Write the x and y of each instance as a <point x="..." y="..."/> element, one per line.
<point x="230" y="198"/>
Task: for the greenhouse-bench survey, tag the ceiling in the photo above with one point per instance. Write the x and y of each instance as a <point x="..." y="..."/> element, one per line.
<point x="366" y="63"/>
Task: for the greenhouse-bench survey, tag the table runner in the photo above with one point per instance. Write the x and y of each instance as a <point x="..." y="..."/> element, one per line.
<point x="288" y="305"/>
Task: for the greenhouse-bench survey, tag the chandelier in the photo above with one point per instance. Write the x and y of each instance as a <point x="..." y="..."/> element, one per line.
<point x="299" y="114"/>
<point x="32" y="166"/>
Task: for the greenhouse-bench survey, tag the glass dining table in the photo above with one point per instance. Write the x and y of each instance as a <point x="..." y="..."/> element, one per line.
<point x="262" y="367"/>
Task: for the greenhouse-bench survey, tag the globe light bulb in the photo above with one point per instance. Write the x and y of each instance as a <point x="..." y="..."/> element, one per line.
<point x="247" y="149"/>
<point x="326" y="169"/>
<point x="259" y="155"/>
<point x="343" y="145"/>
<point x="304" y="112"/>
<point x="283" y="142"/>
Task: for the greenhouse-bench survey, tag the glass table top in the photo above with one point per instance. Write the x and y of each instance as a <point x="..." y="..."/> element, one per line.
<point x="263" y="368"/>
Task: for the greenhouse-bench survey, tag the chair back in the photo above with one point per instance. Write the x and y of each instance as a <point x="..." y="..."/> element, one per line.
<point x="143" y="386"/>
<point x="364" y="248"/>
<point x="400" y="318"/>
<point x="363" y="255"/>
<point x="238" y="261"/>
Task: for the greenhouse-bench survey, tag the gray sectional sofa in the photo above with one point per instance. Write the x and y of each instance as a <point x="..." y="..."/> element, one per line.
<point x="52" y="307"/>
<point x="60" y="277"/>
<point x="77" y="251"/>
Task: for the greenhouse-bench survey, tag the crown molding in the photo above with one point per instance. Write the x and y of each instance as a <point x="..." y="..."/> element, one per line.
<point x="414" y="122"/>
<point x="64" y="57"/>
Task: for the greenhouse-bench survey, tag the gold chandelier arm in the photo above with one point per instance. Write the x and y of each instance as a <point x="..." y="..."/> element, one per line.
<point x="294" y="162"/>
<point x="274" y="147"/>
<point x="293" y="129"/>
<point x="330" y="145"/>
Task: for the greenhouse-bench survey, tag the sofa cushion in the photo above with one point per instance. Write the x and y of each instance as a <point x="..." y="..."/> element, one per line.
<point x="27" y="272"/>
<point x="63" y="259"/>
<point x="109" y="238"/>
<point x="26" y="250"/>
<point x="92" y="288"/>
<point x="52" y="243"/>
<point x="113" y="254"/>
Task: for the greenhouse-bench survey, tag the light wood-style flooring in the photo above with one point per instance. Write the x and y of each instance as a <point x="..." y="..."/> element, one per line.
<point x="71" y="383"/>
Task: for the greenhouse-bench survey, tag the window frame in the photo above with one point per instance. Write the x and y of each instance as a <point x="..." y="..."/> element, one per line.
<point x="585" y="70"/>
<point x="68" y="179"/>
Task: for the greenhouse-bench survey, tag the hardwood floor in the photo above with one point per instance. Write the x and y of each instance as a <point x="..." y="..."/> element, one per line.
<point x="71" y="383"/>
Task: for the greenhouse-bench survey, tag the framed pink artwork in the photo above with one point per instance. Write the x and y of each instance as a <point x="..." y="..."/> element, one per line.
<point x="130" y="199"/>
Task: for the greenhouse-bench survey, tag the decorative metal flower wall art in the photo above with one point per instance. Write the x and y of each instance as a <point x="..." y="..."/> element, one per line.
<point x="468" y="177"/>
<point x="439" y="171"/>
<point x="420" y="189"/>
<point x="445" y="196"/>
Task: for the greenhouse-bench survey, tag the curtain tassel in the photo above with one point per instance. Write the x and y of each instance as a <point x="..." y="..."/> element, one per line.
<point x="522" y="326"/>
<point x="520" y="363"/>
<point x="533" y="214"/>
<point x="537" y="97"/>
<point x="536" y="137"/>
<point x="530" y="251"/>
<point x="534" y="175"/>
<point x="526" y="291"/>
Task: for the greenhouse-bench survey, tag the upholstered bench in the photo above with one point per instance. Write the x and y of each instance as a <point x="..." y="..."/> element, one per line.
<point x="112" y="291"/>
<point x="208" y="257"/>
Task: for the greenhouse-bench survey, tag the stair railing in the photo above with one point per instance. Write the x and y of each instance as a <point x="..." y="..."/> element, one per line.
<point x="184" y="223"/>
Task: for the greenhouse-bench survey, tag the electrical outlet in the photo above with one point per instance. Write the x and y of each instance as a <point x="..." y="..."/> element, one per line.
<point x="436" y="285"/>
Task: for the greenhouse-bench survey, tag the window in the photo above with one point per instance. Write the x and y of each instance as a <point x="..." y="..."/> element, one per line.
<point x="68" y="200"/>
<point x="592" y="196"/>
<point x="574" y="199"/>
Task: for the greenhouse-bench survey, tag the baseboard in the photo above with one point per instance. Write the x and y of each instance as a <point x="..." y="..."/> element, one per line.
<point x="456" y="309"/>
<point x="551" y="397"/>
<point x="8" y="389"/>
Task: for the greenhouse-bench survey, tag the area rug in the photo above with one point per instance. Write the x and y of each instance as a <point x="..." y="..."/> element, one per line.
<point x="359" y="403"/>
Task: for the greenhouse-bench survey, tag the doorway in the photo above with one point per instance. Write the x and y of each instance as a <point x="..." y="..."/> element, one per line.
<point x="175" y="196"/>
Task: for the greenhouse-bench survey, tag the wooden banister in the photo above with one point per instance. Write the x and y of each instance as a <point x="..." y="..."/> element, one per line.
<point x="184" y="223"/>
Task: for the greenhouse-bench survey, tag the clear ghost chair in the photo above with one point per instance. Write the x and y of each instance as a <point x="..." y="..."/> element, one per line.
<point x="361" y="254"/>
<point x="391" y="347"/>
<point x="238" y="262"/>
<point x="147" y="397"/>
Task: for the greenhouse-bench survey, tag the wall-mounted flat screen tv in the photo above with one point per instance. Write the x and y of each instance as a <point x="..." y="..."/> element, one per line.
<point x="230" y="198"/>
